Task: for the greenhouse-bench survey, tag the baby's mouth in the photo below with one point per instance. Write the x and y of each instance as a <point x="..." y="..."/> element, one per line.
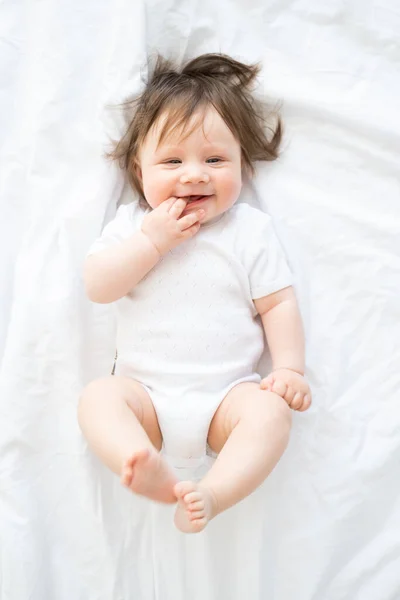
<point x="190" y="199"/>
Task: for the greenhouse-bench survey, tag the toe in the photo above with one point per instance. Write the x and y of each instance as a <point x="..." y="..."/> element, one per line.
<point x="126" y="477"/>
<point x="198" y="524"/>
<point x="306" y="404"/>
<point x="192" y="497"/>
<point x="142" y="454"/>
<point x="128" y="464"/>
<point x="297" y="401"/>
<point x="196" y="505"/>
<point x="183" y="488"/>
<point x="196" y="515"/>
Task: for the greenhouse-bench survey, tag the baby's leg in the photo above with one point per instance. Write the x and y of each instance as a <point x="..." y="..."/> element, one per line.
<point x="118" y="419"/>
<point x="250" y="431"/>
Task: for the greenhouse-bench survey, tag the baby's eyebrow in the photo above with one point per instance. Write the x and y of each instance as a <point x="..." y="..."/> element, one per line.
<point x="215" y="146"/>
<point x="169" y="149"/>
<point x="211" y="147"/>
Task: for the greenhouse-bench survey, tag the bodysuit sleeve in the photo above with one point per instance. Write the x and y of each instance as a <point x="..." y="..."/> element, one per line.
<point x="263" y="256"/>
<point x="126" y="221"/>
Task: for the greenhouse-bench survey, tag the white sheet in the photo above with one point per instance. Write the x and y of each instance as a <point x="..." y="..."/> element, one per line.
<point x="326" y="524"/>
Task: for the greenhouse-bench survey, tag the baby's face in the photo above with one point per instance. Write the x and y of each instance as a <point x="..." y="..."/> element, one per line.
<point x="204" y="168"/>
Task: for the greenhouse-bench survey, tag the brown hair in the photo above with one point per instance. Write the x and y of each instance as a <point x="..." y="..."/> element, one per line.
<point x="208" y="80"/>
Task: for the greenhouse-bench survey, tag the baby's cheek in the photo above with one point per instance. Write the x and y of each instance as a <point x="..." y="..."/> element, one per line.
<point x="155" y="189"/>
<point x="231" y="185"/>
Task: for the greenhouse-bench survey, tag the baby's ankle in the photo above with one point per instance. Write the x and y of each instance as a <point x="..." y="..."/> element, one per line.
<point x="214" y="503"/>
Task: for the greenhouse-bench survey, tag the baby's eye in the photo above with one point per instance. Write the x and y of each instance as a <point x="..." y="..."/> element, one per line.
<point x="173" y="161"/>
<point x="214" y="160"/>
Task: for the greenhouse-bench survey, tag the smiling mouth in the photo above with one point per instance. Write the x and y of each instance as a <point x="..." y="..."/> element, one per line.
<point x="194" y="198"/>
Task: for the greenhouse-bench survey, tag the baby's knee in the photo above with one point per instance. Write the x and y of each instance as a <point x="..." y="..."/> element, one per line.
<point x="283" y="412"/>
<point x="91" y="393"/>
<point x="93" y="387"/>
<point x="270" y="410"/>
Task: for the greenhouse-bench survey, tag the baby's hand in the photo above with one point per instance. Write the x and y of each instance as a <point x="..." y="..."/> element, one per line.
<point x="164" y="227"/>
<point x="291" y="386"/>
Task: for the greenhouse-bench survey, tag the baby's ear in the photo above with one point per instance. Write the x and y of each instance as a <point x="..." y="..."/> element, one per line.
<point x="247" y="174"/>
<point x="138" y="172"/>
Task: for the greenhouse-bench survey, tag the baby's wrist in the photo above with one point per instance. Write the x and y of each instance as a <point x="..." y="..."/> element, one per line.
<point x="294" y="370"/>
<point x="150" y="243"/>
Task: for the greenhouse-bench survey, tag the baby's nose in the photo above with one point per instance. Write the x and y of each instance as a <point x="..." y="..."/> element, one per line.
<point x="194" y="175"/>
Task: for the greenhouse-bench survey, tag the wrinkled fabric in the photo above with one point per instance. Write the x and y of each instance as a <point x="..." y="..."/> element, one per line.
<point x="325" y="526"/>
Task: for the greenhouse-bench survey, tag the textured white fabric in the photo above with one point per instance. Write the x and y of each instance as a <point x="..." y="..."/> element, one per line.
<point x="189" y="330"/>
<point x="326" y="524"/>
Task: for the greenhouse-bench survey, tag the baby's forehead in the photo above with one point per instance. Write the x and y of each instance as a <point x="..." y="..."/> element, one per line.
<point x="173" y="129"/>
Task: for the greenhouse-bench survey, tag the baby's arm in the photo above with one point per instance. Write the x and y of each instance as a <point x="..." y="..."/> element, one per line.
<point x="283" y="328"/>
<point x="284" y="332"/>
<point x="113" y="272"/>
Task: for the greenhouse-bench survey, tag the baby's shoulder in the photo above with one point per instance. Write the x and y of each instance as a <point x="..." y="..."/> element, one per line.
<point x="247" y="218"/>
<point x="128" y="218"/>
<point x="131" y="212"/>
<point x="251" y="230"/>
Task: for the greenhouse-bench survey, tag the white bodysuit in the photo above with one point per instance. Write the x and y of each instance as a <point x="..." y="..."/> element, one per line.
<point x="189" y="332"/>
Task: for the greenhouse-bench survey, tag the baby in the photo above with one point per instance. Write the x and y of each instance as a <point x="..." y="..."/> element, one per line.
<point x="198" y="278"/>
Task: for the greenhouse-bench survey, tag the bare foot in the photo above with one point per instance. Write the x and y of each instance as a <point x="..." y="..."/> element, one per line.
<point x="146" y="473"/>
<point x="196" y="506"/>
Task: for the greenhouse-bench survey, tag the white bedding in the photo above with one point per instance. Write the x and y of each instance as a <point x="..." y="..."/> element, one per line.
<point x="325" y="526"/>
